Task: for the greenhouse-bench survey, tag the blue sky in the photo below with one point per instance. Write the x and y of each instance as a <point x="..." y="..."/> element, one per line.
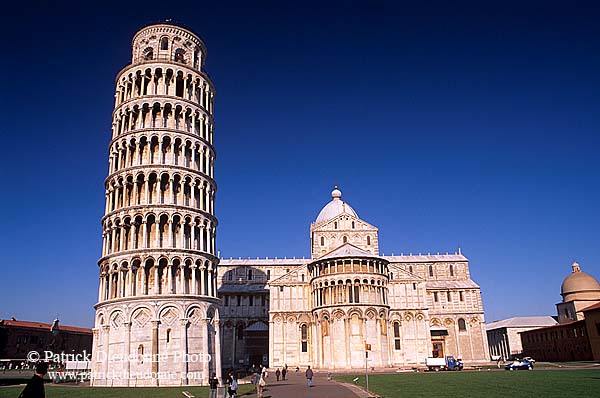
<point x="445" y="125"/>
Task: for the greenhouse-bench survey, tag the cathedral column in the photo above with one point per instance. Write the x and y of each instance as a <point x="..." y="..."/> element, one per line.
<point x="127" y="343"/>
<point x="155" y="352"/>
<point x="210" y="281"/>
<point x="271" y="346"/>
<point x="202" y="281"/>
<point x="110" y="285"/>
<point x="170" y="234"/>
<point x="194" y="289"/>
<point x="169" y="279"/>
<point x="205" y="353"/>
<point x="184" y="352"/>
<point x="181" y="287"/>
<point x="100" y="287"/>
<point x="105" y="347"/>
<point x="156" y="279"/>
<point x="217" y="354"/>
<point x="347" y="331"/>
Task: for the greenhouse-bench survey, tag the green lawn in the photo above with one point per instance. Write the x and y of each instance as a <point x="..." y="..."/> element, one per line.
<point x="54" y="391"/>
<point x="522" y="383"/>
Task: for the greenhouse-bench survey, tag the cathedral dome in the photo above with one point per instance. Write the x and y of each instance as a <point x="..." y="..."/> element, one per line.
<point x="336" y="207"/>
<point x="579" y="286"/>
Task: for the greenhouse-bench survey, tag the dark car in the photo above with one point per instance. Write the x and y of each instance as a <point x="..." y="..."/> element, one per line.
<point x="522" y="364"/>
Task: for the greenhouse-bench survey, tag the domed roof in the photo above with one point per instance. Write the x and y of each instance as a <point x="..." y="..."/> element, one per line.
<point x="336" y="207"/>
<point x="579" y="282"/>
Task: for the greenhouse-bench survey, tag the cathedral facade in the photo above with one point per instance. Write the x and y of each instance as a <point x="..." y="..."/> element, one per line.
<point x="327" y="310"/>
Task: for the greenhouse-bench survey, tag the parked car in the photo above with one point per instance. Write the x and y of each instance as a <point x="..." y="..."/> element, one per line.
<point x="522" y="364"/>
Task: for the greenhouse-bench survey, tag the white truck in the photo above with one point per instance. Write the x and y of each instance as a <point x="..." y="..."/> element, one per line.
<point x="447" y="363"/>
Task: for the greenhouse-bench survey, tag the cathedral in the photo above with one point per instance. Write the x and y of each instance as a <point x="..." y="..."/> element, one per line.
<point x="171" y="312"/>
<point x="327" y="310"/>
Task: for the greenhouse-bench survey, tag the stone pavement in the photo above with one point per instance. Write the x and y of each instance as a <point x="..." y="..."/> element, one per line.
<point x="295" y="386"/>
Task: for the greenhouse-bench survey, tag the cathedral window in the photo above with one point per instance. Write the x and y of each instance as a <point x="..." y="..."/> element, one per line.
<point x="414" y="286"/>
<point x="268" y="274"/>
<point x="325" y="326"/>
<point x="431" y="270"/>
<point x="448" y="296"/>
<point x="435" y="297"/>
<point x="249" y="274"/>
<point x="226" y="301"/>
<point x="397" y="336"/>
<point x="462" y="325"/>
<point x="141" y="353"/>
<point x="368" y="241"/>
<point x="281" y="288"/>
<point x="250" y="301"/>
<point x="304" y="337"/>
<point x="410" y="269"/>
<point x="356" y="294"/>
<point x="302" y="277"/>
<point x="148" y="53"/>
<point x="461" y="296"/>
<point x="335" y="225"/>
<point x="451" y="270"/>
<point x="322" y="241"/>
<point x="352" y="224"/>
<point x="164" y="43"/>
<point x="179" y="55"/>
<point x="239" y="300"/>
<point x="345" y="239"/>
<point x="264" y="300"/>
<point x="240" y="332"/>
<point x="230" y="275"/>
<point x="168" y="335"/>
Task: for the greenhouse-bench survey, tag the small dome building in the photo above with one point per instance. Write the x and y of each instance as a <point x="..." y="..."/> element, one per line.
<point x="578" y="290"/>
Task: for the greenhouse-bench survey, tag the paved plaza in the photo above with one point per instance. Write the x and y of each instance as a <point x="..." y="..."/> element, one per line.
<point x="295" y="386"/>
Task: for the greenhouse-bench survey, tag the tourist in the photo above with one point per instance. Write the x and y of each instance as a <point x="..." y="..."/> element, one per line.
<point x="277" y="374"/>
<point x="35" y="385"/>
<point x="283" y="372"/>
<point x="233" y="385"/>
<point x="213" y="382"/>
<point x="260" y="386"/>
<point x="309" y="376"/>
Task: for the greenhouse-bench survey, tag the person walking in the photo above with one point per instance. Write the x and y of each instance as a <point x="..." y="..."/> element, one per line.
<point x="233" y="385"/>
<point x="213" y="382"/>
<point x="277" y="374"/>
<point x="283" y="372"/>
<point x="260" y="386"/>
<point x="35" y="385"/>
<point x="309" y="376"/>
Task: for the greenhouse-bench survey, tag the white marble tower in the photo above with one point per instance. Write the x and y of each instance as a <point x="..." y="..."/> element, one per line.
<point x="157" y="316"/>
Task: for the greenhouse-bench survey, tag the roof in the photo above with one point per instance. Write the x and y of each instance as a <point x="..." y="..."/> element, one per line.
<point x="242" y="288"/>
<point x="592" y="307"/>
<point x="257" y="327"/>
<point x="334" y="208"/>
<point x="558" y="325"/>
<point x="347" y="250"/>
<point x="426" y="258"/>
<point x="464" y="284"/>
<point x="39" y="325"/>
<point x="263" y="261"/>
<point x="522" y="322"/>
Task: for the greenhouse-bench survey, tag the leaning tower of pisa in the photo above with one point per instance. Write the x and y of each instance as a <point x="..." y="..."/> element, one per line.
<point x="157" y="318"/>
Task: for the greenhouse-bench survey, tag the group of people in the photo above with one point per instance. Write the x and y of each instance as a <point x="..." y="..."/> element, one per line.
<point x="231" y="382"/>
<point x="258" y="379"/>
